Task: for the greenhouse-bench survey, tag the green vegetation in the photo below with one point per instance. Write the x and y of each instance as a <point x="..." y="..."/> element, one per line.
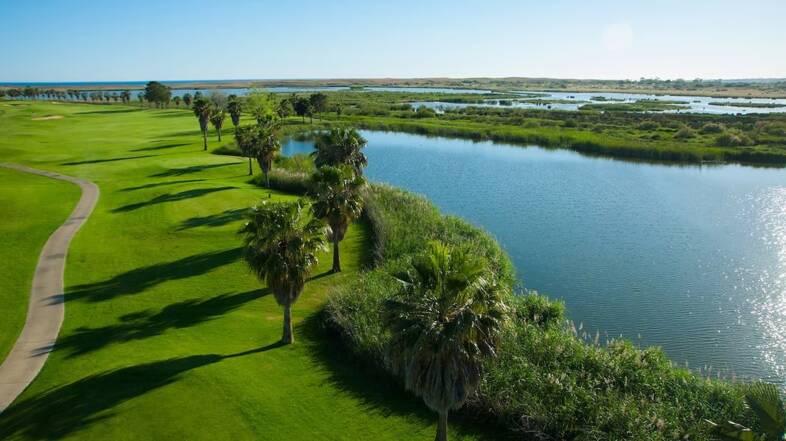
<point x="167" y="335"/>
<point x="750" y="105"/>
<point x="764" y="401"/>
<point x="337" y="201"/>
<point x="33" y="207"/>
<point x="446" y="320"/>
<point x="546" y="381"/>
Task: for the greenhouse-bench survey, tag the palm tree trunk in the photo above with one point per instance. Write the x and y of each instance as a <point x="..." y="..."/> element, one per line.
<point x="336" y="257"/>
<point x="204" y="139"/>
<point x="288" y="337"/>
<point x="250" y="168"/>
<point x="267" y="180"/>
<point x="219" y="135"/>
<point x="442" y="427"/>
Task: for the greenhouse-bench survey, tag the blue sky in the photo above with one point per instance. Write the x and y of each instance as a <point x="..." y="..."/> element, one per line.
<point x="113" y="40"/>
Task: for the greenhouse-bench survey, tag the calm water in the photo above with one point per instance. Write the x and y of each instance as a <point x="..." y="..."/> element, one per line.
<point x="692" y="259"/>
<point x="572" y="101"/>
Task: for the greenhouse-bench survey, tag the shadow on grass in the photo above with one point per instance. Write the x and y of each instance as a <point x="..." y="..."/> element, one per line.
<point x="170" y="197"/>
<point x="160" y="184"/>
<point x="98" y="161"/>
<point x="140" y="279"/>
<point x="214" y="220"/>
<point x="144" y="324"/>
<point x="191" y="169"/>
<point x="65" y="410"/>
<point x="160" y="147"/>
<point x="376" y="389"/>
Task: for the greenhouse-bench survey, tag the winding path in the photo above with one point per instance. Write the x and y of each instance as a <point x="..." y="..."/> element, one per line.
<point x="47" y="308"/>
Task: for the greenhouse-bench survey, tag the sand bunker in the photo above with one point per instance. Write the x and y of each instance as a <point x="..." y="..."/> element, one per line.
<point x="44" y="118"/>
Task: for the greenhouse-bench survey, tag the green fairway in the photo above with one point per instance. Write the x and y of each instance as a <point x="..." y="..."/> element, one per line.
<point x="167" y="335"/>
<point x="33" y="207"/>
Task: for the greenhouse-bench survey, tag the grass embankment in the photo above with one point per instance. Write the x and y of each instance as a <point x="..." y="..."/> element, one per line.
<point x="547" y="381"/>
<point x="33" y="207"/>
<point x="166" y="334"/>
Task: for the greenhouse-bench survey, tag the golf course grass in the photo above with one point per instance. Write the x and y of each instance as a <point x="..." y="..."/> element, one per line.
<point x="33" y="207"/>
<point x="167" y="335"/>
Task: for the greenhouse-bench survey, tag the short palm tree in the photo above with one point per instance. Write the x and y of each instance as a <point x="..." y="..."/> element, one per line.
<point x="217" y="118"/>
<point x="341" y="146"/>
<point x="203" y="110"/>
<point x="261" y="142"/>
<point x="448" y="317"/>
<point x="281" y="245"/>
<point x="235" y="108"/>
<point x="764" y="400"/>
<point x="337" y="200"/>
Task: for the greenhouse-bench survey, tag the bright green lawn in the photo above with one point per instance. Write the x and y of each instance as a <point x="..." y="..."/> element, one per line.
<point x="167" y="335"/>
<point x="33" y="207"/>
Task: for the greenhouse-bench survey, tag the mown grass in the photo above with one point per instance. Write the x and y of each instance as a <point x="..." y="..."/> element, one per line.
<point x="167" y="335"/>
<point x="33" y="207"/>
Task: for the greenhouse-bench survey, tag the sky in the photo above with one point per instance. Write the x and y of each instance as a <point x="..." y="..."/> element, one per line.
<point x="119" y="40"/>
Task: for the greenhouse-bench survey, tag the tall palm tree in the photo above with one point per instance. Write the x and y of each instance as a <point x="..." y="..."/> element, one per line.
<point x="235" y="108"/>
<point x="261" y="142"/>
<point x="337" y="200"/>
<point x="217" y="117"/>
<point x="246" y="138"/>
<point x="281" y="245"/>
<point x="341" y="146"/>
<point x="267" y="147"/>
<point x="203" y="110"/>
<point x="447" y="318"/>
<point x="764" y="401"/>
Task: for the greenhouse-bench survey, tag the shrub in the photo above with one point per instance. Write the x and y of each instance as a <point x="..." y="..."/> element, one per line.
<point x="648" y="125"/>
<point x="733" y="139"/>
<point x="684" y="133"/>
<point x="425" y="112"/>
<point x="711" y="128"/>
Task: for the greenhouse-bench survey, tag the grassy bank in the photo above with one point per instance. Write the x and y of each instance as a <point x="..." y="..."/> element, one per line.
<point x="548" y="382"/>
<point x="33" y="207"/>
<point x="167" y="335"/>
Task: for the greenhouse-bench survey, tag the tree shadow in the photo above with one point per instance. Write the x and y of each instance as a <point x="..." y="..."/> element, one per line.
<point x="140" y="279"/>
<point x="144" y="324"/>
<point x="213" y="220"/>
<point x="376" y="389"/>
<point x="160" y="184"/>
<point x="160" y="147"/>
<point x="65" y="410"/>
<point x="171" y="197"/>
<point x="98" y="161"/>
<point x="191" y="169"/>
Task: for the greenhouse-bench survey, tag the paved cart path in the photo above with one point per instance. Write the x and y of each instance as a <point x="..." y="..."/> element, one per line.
<point x="47" y="307"/>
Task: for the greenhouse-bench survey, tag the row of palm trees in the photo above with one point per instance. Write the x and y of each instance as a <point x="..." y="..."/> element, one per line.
<point x="450" y="312"/>
<point x="33" y="93"/>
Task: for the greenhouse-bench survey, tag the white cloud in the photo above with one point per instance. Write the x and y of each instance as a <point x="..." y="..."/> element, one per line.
<point x="617" y="37"/>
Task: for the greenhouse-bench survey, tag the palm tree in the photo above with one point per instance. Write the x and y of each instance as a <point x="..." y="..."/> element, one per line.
<point x="235" y="108"/>
<point x="281" y="245"/>
<point x="448" y="317"/>
<point x="261" y="142"/>
<point x="337" y="201"/>
<point x="341" y="146"/>
<point x="203" y="110"/>
<point x="187" y="99"/>
<point x="764" y="400"/>
<point x="217" y="118"/>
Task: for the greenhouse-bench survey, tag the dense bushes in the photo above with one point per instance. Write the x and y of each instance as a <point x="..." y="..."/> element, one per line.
<point x="547" y="382"/>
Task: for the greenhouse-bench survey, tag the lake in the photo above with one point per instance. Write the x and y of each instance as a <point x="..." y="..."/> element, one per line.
<point x="689" y="258"/>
